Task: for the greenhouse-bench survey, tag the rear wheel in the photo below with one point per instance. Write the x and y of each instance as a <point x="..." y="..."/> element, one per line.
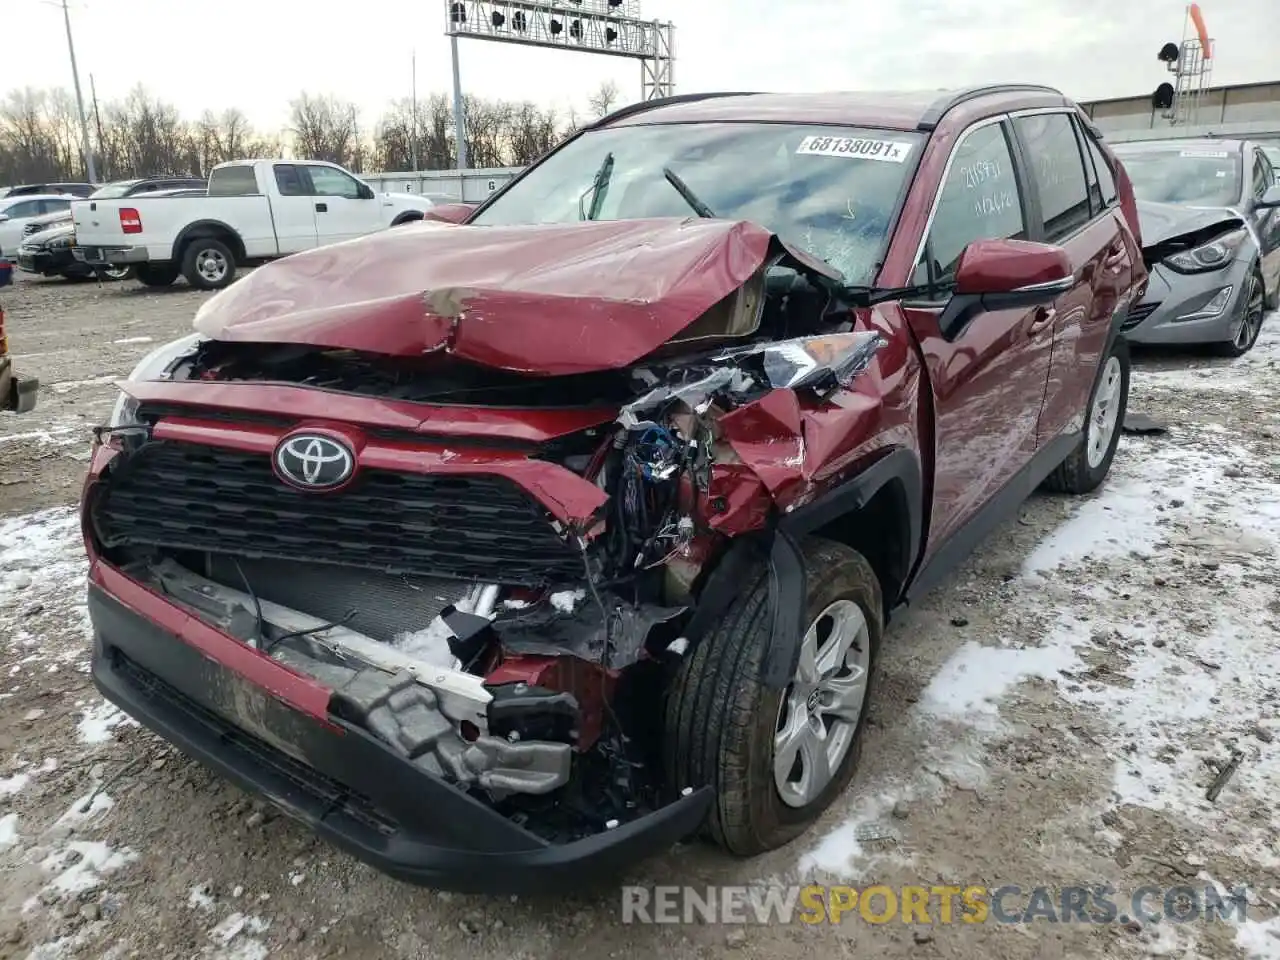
<point x="1089" y="463"/>
<point x="1254" y="309"/>
<point x="154" y="276"/>
<point x="208" y="264"/>
<point x="778" y="758"/>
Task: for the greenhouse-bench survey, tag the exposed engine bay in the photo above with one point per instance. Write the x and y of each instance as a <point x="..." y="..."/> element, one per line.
<point x="528" y="671"/>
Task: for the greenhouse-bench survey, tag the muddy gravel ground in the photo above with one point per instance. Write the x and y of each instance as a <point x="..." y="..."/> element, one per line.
<point x="1053" y="715"/>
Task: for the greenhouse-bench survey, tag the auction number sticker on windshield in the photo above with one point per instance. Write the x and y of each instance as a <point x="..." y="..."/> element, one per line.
<point x="1205" y="154"/>
<point x="859" y="148"/>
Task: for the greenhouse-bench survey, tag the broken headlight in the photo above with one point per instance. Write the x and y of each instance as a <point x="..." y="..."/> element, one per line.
<point x="820" y="361"/>
<point x="1214" y="255"/>
<point x="154" y="366"/>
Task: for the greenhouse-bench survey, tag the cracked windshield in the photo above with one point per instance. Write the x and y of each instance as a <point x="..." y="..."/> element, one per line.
<point x="831" y="191"/>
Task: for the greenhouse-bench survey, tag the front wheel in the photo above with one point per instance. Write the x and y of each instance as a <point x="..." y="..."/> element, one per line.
<point x="1253" y="309"/>
<point x="208" y="264"/>
<point x="1088" y="465"/>
<point x="778" y="758"/>
<point x="116" y="273"/>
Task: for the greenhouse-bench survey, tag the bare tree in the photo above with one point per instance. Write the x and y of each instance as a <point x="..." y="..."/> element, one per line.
<point x="326" y="128"/>
<point x="141" y="134"/>
<point x="602" y="101"/>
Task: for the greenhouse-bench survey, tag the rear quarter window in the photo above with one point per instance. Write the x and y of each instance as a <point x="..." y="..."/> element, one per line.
<point x="234" y="181"/>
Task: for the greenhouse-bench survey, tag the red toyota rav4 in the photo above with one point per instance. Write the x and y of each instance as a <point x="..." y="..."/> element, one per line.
<point x="508" y="551"/>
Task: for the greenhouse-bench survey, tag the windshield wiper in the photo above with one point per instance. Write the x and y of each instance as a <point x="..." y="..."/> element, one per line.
<point x="599" y="187"/>
<point x="858" y="296"/>
<point x="691" y="198"/>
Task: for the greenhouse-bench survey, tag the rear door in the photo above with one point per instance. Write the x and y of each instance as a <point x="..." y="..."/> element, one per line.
<point x="988" y="382"/>
<point x="343" y="211"/>
<point x="1074" y="206"/>
<point x="293" y="209"/>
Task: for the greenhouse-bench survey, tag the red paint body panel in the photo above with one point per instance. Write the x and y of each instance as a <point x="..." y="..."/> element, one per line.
<point x="302" y="403"/>
<point x="554" y="299"/>
<point x="301" y="693"/>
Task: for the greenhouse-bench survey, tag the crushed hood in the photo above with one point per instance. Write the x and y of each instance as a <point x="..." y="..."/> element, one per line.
<point x="1165" y="221"/>
<point x="542" y="299"/>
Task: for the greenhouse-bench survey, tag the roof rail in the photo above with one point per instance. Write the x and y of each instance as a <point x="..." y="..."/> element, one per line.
<point x="940" y="107"/>
<point x="633" y="108"/>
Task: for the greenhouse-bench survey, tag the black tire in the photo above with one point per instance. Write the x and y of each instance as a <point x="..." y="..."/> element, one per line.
<point x="721" y="721"/>
<point x="208" y="264"/>
<point x="154" y="276"/>
<point x="1253" y="309"/>
<point x="1075" y="474"/>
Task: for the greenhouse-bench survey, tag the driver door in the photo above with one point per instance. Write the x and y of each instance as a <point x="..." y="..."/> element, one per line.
<point x="343" y="211"/>
<point x="988" y="382"/>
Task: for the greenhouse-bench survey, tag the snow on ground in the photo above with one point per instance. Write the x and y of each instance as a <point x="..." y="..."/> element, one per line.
<point x="1171" y="691"/>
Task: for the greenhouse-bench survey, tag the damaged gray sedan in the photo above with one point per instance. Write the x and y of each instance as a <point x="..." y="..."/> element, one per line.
<point x="1210" y="218"/>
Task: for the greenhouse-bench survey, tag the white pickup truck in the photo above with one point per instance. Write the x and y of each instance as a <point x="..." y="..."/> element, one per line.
<point x="255" y="210"/>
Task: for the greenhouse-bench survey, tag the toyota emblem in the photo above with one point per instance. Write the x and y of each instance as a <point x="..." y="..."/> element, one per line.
<point x="314" y="462"/>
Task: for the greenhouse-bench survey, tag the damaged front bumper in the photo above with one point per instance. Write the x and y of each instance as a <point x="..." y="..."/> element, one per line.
<point x="270" y="730"/>
<point x="1180" y="308"/>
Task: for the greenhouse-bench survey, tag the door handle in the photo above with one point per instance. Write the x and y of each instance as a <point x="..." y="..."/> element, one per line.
<point x="1043" y="317"/>
<point x="322" y="208"/>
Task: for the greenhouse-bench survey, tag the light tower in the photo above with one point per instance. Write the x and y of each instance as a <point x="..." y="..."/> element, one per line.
<point x="1191" y="63"/>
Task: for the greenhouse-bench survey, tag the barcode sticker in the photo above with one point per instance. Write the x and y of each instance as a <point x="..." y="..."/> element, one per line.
<point x="857" y="148"/>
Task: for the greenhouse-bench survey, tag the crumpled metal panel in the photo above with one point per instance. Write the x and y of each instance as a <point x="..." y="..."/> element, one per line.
<point x="541" y="299"/>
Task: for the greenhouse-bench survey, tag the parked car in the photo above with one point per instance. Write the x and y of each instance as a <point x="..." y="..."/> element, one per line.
<point x="17" y="394"/>
<point x="1210" y="213"/>
<point x="29" y="189"/>
<point x="192" y="186"/>
<point x="50" y="251"/>
<point x="255" y="210"/>
<point x="508" y="552"/>
<point x="16" y="212"/>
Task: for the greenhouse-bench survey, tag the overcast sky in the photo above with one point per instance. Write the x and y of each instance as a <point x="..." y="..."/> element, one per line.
<point x="258" y="54"/>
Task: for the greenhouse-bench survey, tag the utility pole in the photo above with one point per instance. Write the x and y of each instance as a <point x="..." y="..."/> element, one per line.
<point x="97" y="117"/>
<point x="75" y="73"/>
<point x="459" y="121"/>
<point x="413" y="123"/>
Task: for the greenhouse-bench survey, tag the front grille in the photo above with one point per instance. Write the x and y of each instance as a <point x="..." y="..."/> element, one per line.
<point x="189" y="497"/>
<point x="1137" y="313"/>
<point x="335" y="796"/>
<point x="30" y="228"/>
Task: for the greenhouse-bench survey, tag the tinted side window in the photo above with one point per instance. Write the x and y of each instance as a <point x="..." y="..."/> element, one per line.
<point x="979" y="201"/>
<point x="1058" y="171"/>
<point x="233" y="181"/>
<point x="1262" y="175"/>
<point x="27" y="208"/>
<point x="288" y="182"/>
<point x="329" y="182"/>
<point x="1269" y="168"/>
<point x="54" y="206"/>
<point x="1106" y="178"/>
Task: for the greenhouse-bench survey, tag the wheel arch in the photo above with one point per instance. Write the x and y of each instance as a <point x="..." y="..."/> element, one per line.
<point x="884" y="500"/>
<point x="209" y="230"/>
<point x="408" y="216"/>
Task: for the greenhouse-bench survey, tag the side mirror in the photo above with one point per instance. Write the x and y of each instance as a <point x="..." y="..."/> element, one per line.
<point x="449" y="212"/>
<point x="366" y="192"/>
<point x="1270" y="199"/>
<point x="1004" y="275"/>
<point x="4" y="218"/>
